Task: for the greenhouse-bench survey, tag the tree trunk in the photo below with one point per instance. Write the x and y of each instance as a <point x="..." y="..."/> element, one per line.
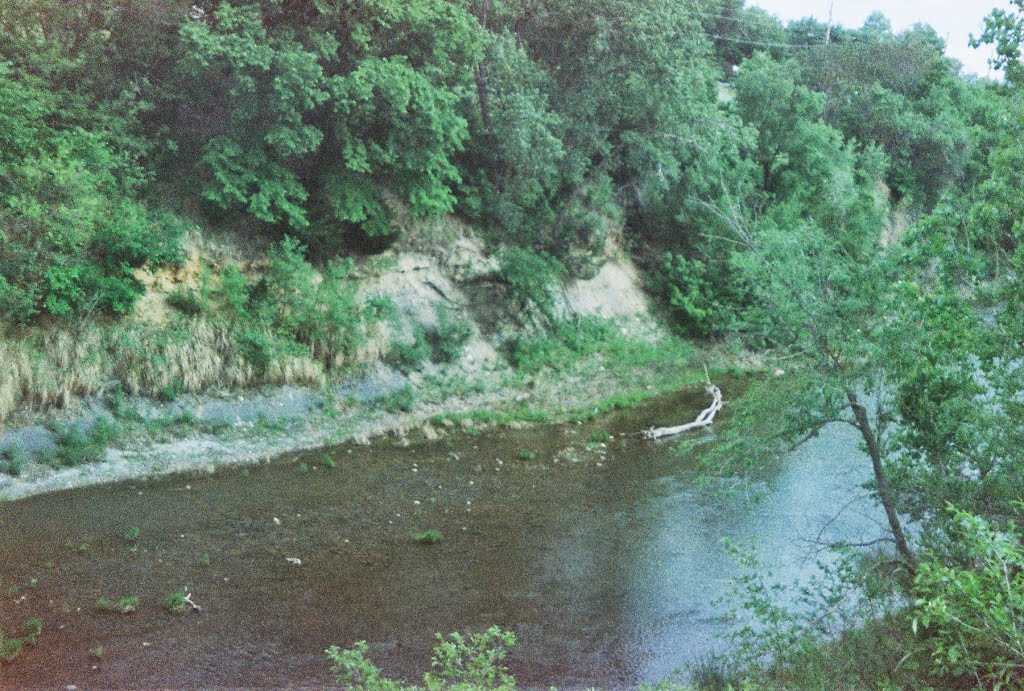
<point x="864" y="425"/>
<point x="480" y="74"/>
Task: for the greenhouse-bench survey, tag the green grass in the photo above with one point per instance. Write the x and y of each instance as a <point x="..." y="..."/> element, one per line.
<point x="10" y="648"/>
<point x="175" y="602"/>
<point x="428" y="537"/>
<point x="33" y="629"/>
<point x="75" y="447"/>
<point x="328" y="462"/>
<point x="124" y="605"/>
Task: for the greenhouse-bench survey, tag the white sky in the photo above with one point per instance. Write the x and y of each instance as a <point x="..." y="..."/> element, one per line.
<point x="954" y="20"/>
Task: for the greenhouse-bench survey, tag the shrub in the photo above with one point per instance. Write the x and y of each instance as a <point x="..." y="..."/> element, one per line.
<point x="73" y="233"/>
<point x="531" y="277"/>
<point x="973" y="609"/>
<point x="127" y="604"/>
<point x="449" y="337"/>
<point x="291" y="312"/>
<point x="75" y="447"/>
<point x="10" y="648"/>
<point x="410" y="357"/>
<point x="402" y="400"/>
<point x="187" y="301"/>
<point x="683" y="285"/>
<point x="458" y="663"/>
<point x="17" y="459"/>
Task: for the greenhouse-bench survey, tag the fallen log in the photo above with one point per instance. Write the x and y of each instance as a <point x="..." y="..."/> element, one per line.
<point x="706" y="417"/>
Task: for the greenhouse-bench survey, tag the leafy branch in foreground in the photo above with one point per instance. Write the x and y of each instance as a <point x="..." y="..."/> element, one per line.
<point x="467" y="663"/>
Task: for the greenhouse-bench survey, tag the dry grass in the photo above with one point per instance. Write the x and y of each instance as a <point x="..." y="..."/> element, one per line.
<point x="51" y="367"/>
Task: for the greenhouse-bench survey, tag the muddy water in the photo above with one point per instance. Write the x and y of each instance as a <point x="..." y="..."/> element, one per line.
<point x="606" y="562"/>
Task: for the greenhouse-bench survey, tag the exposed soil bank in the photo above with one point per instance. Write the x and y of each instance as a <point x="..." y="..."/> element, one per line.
<point x="601" y="554"/>
<point x="256" y="427"/>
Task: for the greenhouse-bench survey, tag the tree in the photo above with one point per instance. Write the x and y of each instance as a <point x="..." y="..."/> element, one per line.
<point x="1005" y="30"/>
<point x="817" y="276"/>
<point x="70" y="233"/>
<point x="321" y="110"/>
<point x="901" y="92"/>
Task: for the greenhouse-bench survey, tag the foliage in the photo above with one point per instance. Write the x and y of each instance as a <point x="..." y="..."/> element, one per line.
<point x="368" y="85"/>
<point x="448" y="338"/>
<point x="683" y="284"/>
<point x="899" y="92"/>
<point x="402" y="400"/>
<point x="16" y="459"/>
<point x="531" y="278"/>
<point x="10" y="648"/>
<point x="293" y="310"/>
<point x="971" y="609"/>
<point x="75" y="447"/>
<point x="469" y="663"/>
<point x="71" y="233"/>
<point x="1005" y="29"/>
<point x="409" y="357"/>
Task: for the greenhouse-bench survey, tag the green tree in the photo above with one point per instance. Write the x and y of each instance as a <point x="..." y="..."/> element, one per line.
<point x="329" y="109"/>
<point x="70" y="233"/>
<point x="1005" y="30"/>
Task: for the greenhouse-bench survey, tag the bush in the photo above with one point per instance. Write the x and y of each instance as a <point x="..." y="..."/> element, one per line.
<point x="449" y="337"/>
<point x="291" y="312"/>
<point x="187" y="301"/>
<point x="33" y="630"/>
<point x="75" y="447"/>
<point x="531" y="277"/>
<point x="410" y="357"/>
<point x="10" y="648"/>
<point x="402" y="400"/>
<point x="17" y="459"/>
<point x="73" y="235"/>
<point x="476" y="662"/>
<point x="972" y="609"/>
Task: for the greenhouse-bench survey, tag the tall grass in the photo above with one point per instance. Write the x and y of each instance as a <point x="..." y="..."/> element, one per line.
<point x="49" y="367"/>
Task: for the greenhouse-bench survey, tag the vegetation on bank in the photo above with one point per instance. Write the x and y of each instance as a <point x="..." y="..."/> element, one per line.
<point x="853" y="209"/>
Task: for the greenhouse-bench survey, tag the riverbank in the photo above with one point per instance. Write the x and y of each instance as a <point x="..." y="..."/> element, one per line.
<point x="197" y="433"/>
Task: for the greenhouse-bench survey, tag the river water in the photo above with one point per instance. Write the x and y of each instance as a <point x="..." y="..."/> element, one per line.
<point x="606" y="561"/>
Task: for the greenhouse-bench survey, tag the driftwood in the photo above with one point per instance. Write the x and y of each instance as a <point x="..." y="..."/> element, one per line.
<point x="706" y="417"/>
<point x="189" y="602"/>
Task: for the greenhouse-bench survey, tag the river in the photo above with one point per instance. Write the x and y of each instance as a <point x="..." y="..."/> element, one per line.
<point x="606" y="561"/>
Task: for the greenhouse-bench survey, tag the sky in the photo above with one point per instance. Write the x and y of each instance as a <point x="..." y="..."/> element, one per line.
<point x="954" y="20"/>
